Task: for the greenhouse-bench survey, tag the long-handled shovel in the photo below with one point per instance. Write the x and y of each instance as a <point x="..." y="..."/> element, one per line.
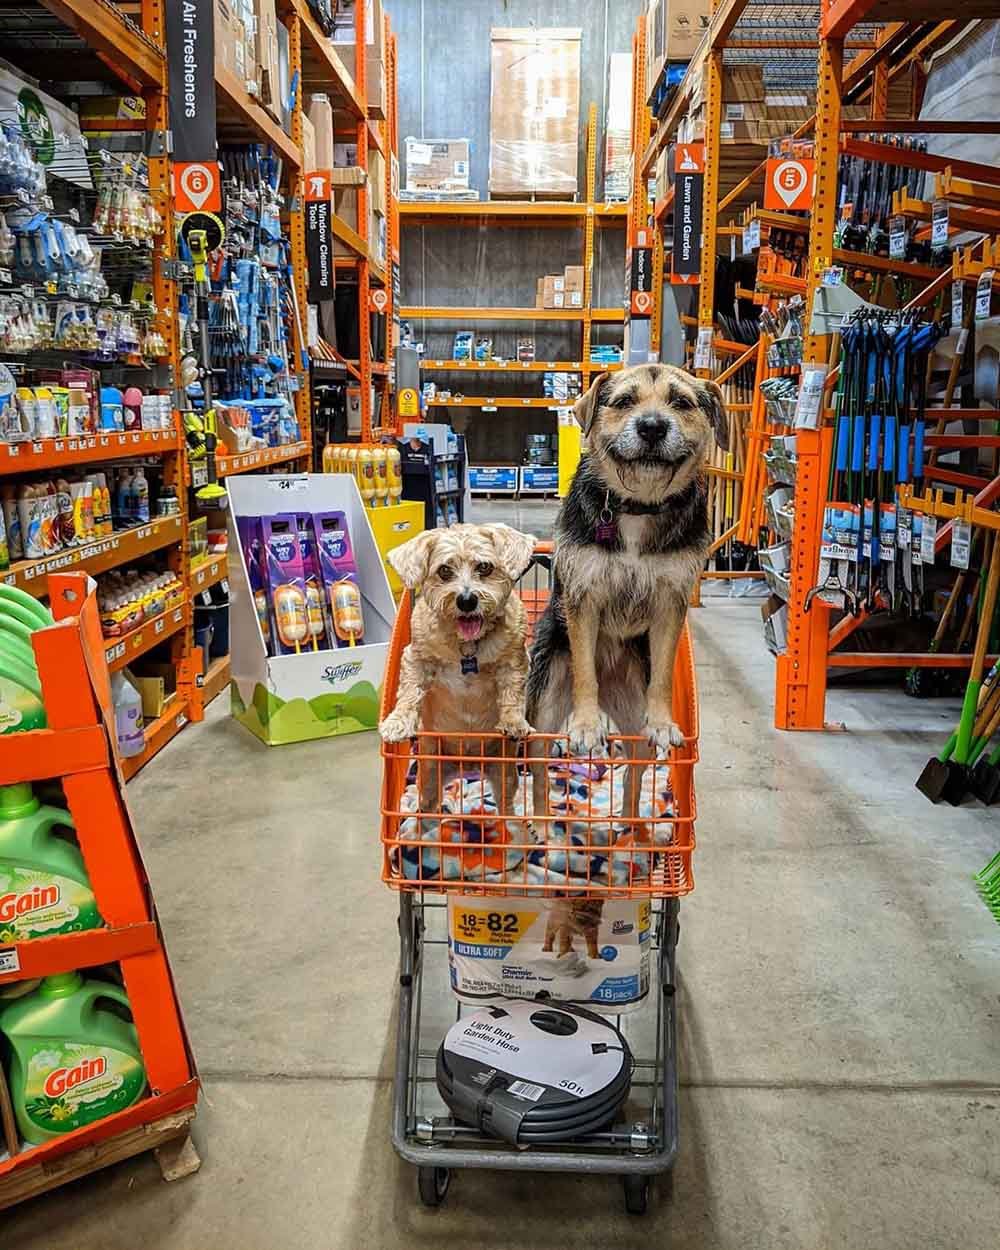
<point x="950" y="771"/>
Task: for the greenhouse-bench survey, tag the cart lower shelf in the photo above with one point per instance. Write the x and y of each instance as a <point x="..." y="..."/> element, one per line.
<point x="640" y="1145"/>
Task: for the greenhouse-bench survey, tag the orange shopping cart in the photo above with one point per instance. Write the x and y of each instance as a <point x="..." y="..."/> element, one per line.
<point x="609" y="835"/>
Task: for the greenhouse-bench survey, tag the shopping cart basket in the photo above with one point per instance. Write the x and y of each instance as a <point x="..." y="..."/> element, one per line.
<point x="619" y="825"/>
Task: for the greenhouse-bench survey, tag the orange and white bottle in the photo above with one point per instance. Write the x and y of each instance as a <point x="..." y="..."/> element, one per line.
<point x="381" y="461"/>
<point x="345" y="604"/>
<point x="366" y="475"/>
<point x="394" y="474"/>
<point x="290" y="617"/>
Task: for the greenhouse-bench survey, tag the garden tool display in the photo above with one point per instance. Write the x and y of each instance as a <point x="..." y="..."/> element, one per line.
<point x="946" y="775"/>
<point x="988" y="885"/>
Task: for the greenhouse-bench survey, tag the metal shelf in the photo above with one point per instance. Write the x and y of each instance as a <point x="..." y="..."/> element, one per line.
<point x="241" y="117"/>
<point x="322" y="68"/>
<point x="247" y="461"/>
<point x="123" y="547"/>
<point x="57" y="453"/>
<point x="431" y="312"/>
<point x="109" y="32"/>
<point x="122" y="651"/>
<point x="508" y="211"/>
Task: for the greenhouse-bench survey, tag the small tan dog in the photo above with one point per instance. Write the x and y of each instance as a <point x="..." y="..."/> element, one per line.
<point x="571" y="917"/>
<point x="466" y="666"/>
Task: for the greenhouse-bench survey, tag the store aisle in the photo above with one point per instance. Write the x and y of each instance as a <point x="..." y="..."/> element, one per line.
<point x="839" y="1004"/>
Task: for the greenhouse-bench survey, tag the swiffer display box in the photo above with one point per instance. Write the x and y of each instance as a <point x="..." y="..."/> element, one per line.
<point x="593" y="951"/>
<point x="308" y="649"/>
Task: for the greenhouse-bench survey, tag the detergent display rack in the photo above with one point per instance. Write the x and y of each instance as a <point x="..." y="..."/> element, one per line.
<point x="649" y="865"/>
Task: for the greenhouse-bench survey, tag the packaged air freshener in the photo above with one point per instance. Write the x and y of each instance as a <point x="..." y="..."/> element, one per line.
<point x="286" y="583"/>
<point x="341" y="592"/>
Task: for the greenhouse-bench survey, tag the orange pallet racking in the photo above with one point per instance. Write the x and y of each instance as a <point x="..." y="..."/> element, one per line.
<point x="587" y="214"/>
<point x="77" y="747"/>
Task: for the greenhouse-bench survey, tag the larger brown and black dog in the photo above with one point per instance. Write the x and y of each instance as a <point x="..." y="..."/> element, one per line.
<point x="631" y="539"/>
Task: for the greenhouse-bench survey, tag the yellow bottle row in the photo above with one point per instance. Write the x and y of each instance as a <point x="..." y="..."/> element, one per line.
<point x="376" y="469"/>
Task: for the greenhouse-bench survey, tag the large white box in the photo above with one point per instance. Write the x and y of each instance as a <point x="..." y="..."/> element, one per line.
<point x="318" y="694"/>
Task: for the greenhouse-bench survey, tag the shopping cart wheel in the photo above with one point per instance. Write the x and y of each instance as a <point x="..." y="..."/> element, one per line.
<point x="433" y="1185"/>
<point x="636" y="1193"/>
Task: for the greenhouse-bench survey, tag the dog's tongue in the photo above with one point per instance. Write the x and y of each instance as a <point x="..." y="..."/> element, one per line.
<point x="469" y="627"/>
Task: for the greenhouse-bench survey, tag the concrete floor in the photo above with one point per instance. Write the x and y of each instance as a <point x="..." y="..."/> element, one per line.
<point x="839" y="1006"/>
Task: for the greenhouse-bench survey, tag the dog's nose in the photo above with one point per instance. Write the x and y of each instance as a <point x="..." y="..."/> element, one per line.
<point x="651" y="428"/>
<point x="467" y="601"/>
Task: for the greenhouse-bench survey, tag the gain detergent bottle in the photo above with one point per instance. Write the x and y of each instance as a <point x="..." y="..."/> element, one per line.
<point x="72" y="1060"/>
<point x="44" y="886"/>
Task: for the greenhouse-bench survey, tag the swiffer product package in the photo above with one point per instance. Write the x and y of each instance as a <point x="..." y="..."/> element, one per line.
<point x="314" y="584"/>
<point x="584" y="950"/>
<point x="341" y="592"/>
<point x="286" y="583"/>
<point x="253" y="557"/>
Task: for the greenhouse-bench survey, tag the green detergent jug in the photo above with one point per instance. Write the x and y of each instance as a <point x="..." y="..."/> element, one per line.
<point x="44" y="886"/>
<point x="72" y="1061"/>
<point x="21" y="705"/>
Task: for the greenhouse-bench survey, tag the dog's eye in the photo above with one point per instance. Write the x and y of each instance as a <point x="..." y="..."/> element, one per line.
<point x="484" y="568"/>
<point x="623" y="401"/>
<point x="446" y="573"/>
<point x="682" y="403"/>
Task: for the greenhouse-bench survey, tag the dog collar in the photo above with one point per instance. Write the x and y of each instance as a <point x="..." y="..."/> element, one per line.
<point x="606" y="529"/>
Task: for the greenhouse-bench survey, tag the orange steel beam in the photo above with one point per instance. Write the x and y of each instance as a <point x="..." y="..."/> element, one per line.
<point x="800" y="673"/>
<point x="103" y="27"/>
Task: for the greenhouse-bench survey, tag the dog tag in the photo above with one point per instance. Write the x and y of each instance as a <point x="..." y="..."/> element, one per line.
<point x="605" y="533"/>
<point x="469" y="664"/>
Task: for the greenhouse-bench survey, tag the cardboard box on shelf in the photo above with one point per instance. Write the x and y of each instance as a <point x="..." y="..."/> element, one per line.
<point x="228" y="35"/>
<point x="534" y="111"/>
<point x="308" y="143"/>
<point x="790" y="106"/>
<point x="684" y="25"/>
<point x="573" y="278"/>
<point x="743" y="82"/>
<point x="345" y="205"/>
<point x="553" y="291"/>
<point x="376" y="181"/>
<point x="348" y="176"/>
<point x="744" y="111"/>
<point x="267" y="58"/>
<point x="437" y="164"/>
<point x="540" y="293"/>
<point x="344" y="46"/>
<point x="345" y="154"/>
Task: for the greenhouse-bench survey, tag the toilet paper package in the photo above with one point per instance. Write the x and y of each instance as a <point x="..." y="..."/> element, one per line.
<point x="585" y="950"/>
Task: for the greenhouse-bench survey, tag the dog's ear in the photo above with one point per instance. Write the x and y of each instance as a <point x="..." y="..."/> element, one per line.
<point x="713" y="404"/>
<point x="411" y="560"/>
<point x="514" y="549"/>
<point x="585" y="408"/>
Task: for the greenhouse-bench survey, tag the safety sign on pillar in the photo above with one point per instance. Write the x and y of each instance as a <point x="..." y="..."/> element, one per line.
<point x="789" y="183"/>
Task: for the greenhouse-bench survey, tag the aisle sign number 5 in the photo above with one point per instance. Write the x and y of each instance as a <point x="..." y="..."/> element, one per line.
<point x="789" y="184"/>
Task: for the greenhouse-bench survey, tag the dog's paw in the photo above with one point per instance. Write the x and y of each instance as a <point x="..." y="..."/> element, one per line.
<point x="514" y="726"/>
<point x="398" y="727"/>
<point x="586" y="736"/>
<point x="662" y="735"/>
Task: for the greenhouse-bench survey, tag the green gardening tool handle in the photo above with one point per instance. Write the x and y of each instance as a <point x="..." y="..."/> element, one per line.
<point x="966" y="721"/>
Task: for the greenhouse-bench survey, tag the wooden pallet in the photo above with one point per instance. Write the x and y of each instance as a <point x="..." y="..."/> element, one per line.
<point x="536" y="197"/>
<point x="169" y="1138"/>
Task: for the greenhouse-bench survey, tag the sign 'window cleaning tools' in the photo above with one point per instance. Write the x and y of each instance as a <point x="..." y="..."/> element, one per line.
<point x="810" y="400"/>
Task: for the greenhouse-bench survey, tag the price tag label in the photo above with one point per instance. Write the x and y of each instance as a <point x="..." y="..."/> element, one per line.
<point x="961" y="544"/>
<point x="833" y="276"/>
<point x="732" y="247"/>
<point x="984" y="292"/>
<point x="957" y="304"/>
<point x="897" y="238"/>
<point x="939" y="224"/>
<point x="9" y="961"/>
<point x="928" y="533"/>
<point x="904" y="528"/>
<point x="159" y="626"/>
<point x="703" y="349"/>
<point x="288" y="483"/>
<point x="810" y="400"/>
